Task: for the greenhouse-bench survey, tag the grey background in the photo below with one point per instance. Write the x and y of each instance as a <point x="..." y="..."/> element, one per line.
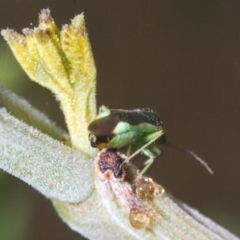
<point x="180" y="58"/>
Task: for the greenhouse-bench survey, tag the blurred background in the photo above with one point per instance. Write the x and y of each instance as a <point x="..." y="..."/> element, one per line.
<point x="180" y="58"/>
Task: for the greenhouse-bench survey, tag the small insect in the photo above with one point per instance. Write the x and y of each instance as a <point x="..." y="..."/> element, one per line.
<point x="117" y="128"/>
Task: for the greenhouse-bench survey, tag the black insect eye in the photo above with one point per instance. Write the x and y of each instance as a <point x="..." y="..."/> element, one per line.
<point x="92" y="138"/>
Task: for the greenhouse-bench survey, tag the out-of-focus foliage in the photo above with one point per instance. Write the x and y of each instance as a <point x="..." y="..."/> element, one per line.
<point x="10" y="70"/>
<point x="14" y="218"/>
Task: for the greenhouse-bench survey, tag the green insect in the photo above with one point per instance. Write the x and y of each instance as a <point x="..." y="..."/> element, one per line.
<point x="117" y="128"/>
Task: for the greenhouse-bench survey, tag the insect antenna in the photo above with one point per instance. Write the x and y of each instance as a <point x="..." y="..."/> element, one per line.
<point x="194" y="155"/>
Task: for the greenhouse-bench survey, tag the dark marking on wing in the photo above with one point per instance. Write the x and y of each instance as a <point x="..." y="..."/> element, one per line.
<point x="104" y="125"/>
<point x="138" y="116"/>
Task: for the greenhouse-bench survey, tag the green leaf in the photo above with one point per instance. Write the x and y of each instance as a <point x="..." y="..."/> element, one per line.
<point x="52" y="168"/>
<point x="21" y="109"/>
<point x="62" y="62"/>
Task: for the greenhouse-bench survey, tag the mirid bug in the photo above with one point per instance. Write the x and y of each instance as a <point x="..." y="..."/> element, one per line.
<point x="117" y="128"/>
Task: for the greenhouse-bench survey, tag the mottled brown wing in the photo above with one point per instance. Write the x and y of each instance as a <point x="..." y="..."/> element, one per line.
<point x="138" y="116"/>
<point x="104" y="126"/>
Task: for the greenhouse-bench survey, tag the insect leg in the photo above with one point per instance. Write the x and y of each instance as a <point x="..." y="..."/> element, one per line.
<point x="129" y="150"/>
<point x="147" y="163"/>
<point x="154" y="149"/>
<point x="147" y="149"/>
<point x="148" y="152"/>
<point x="153" y="138"/>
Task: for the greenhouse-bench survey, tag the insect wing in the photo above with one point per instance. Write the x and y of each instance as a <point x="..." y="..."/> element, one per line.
<point x="104" y="126"/>
<point x="138" y="116"/>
